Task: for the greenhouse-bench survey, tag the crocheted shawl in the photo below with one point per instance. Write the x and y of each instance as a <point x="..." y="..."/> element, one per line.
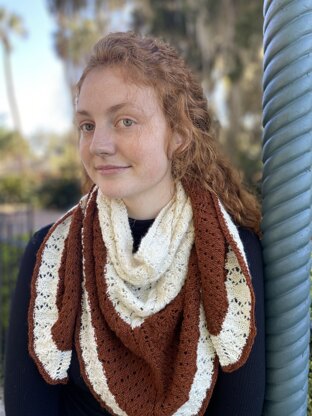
<point x="150" y="341"/>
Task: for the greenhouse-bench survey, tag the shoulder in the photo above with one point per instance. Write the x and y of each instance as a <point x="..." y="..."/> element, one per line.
<point x="37" y="239"/>
<point x="249" y="238"/>
<point x="41" y="234"/>
<point x="253" y="250"/>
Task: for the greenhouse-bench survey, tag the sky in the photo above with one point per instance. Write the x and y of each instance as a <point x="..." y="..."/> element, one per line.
<point x="41" y="92"/>
<point x="42" y="95"/>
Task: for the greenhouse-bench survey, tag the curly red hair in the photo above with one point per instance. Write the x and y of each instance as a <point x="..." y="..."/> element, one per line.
<point x="150" y="61"/>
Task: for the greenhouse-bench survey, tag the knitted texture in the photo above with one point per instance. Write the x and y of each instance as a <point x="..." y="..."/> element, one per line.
<point x="150" y="327"/>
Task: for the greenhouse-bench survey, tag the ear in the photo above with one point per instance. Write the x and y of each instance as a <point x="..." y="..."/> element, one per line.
<point x="175" y="143"/>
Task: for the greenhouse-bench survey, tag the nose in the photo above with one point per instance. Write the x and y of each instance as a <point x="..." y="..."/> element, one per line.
<point x="102" y="142"/>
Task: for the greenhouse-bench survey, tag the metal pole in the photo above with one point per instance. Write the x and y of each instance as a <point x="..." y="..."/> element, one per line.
<point x="287" y="202"/>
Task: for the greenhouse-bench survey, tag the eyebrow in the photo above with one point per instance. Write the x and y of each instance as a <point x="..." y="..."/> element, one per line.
<point x="113" y="109"/>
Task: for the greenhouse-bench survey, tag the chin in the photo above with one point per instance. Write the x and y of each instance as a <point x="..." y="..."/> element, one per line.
<point x="113" y="192"/>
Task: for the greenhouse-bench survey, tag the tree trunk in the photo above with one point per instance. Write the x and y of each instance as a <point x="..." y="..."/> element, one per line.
<point x="10" y="90"/>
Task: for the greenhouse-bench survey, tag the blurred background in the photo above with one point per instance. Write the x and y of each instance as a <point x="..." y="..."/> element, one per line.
<point x="45" y="44"/>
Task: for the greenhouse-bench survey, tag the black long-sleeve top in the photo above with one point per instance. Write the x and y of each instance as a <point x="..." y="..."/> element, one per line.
<point x="240" y="393"/>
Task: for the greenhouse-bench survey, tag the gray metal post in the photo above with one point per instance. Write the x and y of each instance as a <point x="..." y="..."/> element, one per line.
<point x="287" y="201"/>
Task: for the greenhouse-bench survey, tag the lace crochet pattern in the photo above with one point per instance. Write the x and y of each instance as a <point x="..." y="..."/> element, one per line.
<point x="143" y="283"/>
<point x="151" y="327"/>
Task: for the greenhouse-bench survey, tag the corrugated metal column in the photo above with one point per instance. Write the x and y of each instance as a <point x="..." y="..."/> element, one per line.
<point x="287" y="201"/>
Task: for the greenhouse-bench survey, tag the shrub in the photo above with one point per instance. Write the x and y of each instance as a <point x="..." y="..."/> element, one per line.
<point x="16" y="189"/>
<point x="59" y="193"/>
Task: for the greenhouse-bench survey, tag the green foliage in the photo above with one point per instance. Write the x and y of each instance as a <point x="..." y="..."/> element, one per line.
<point x="10" y="23"/>
<point x="15" y="188"/>
<point x="52" y="192"/>
<point x="65" y="6"/>
<point x="76" y="41"/>
<point x="50" y="178"/>
<point x="222" y="42"/>
<point x="249" y="24"/>
<point x="10" y="254"/>
<point x="12" y="144"/>
<point x="59" y="193"/>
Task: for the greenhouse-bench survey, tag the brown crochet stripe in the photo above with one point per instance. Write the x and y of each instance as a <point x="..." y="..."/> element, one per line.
<point x="89" y="270"/>
<point x="110" y="348"/>
<point x="211" y="250"/>
<point x="31" y="323"/>
<point x="149" y="369"/>
<point x="172" y="364"/>
<point x="168" y="375"/>
<point x="69" y="293"/>
<point x="216" y="306"/>
<point x="62" y="275"/>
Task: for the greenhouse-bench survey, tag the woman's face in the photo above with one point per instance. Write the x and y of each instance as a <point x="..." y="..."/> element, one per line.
<point x="125" y="141"/>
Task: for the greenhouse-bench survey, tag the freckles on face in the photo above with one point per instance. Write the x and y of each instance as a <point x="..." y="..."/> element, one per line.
<point x="124" y="136"/>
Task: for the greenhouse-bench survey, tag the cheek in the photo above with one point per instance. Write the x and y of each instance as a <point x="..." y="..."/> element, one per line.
<point x="83" y="150"/>
<point x="156" y="162"/>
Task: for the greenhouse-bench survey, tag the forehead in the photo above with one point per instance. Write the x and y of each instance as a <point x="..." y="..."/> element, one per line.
<point x="114" y="85"/>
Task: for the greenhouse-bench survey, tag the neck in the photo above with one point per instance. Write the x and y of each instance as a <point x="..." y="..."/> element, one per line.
<point x="145" y="208"/>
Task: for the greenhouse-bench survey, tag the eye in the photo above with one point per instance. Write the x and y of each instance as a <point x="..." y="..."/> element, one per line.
<point x="125" y="122"/>
<point x="86" y="127"/>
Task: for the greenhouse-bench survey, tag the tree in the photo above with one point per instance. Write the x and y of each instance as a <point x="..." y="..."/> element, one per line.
<point x="10" y="24"/>
<point x="222" y="41"/>
<point x="80" y="24"/>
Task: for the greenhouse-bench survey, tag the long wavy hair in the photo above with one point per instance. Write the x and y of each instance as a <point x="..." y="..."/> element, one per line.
<point x="150" y="61"/>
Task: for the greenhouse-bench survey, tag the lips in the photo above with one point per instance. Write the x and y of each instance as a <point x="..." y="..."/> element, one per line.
<point x="110" y="169"/>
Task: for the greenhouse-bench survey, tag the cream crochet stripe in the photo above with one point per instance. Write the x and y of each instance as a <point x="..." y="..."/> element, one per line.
<point x="93" y="366"/>
<point x="205" y="369"/>
<point x="45" y="312"/>
<point x="158" y="282"/>
<point x="139" y="286"/>
<point x="97" y="378"/>
<point x="143" y="283"/>
<point x="232" y="338"/>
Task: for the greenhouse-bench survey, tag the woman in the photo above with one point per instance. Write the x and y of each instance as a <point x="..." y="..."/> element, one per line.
<point x="142" y="297"/>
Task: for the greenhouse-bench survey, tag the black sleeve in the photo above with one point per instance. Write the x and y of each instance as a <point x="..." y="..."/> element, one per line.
<point x="241" y="393"/>
<point x="25" y="391"/>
